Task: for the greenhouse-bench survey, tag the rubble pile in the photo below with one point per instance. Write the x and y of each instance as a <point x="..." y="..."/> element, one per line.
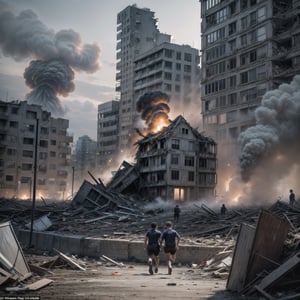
<point x="261" y="243"/>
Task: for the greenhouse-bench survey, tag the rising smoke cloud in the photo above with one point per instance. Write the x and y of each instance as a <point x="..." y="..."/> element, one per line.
<point x="56" y="56"/>
<point x="154" y="110"/>
<point x="270" y="150"/>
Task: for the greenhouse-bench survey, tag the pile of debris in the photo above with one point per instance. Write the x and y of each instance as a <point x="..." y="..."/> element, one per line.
<point x="261" y="243"/>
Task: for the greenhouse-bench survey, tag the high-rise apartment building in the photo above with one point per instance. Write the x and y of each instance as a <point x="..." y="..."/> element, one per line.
<point x="84" y="158"/>
<point x="174" y="70"/>
<point x="107" y="132"/>
<point x="248" y="48"/>
<point x="136" y="33"/>
<point x="30" y="139"/>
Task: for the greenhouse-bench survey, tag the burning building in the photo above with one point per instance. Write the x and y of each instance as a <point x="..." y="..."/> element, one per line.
<point x="177" y="163"/>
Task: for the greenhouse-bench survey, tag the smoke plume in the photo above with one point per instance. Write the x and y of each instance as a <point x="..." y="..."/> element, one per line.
<point x="56" y="54"/>
<point x="270" y="150"/>
<point x="154" y="110"/>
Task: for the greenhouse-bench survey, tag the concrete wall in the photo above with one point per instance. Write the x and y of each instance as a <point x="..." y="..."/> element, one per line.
<point x="119" y="249"/>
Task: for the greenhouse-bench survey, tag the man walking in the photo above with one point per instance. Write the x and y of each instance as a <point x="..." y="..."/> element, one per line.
<point x="170" y="238"/>
<point x="176" y="213"/>
<point x="292" y="198"/>
<point x="152" y="246"/>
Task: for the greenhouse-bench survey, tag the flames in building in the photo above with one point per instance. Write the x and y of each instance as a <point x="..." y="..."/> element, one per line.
<point x="269" y="161"/>
<point x="154" y="109"/>
<point x="56" y="56"/>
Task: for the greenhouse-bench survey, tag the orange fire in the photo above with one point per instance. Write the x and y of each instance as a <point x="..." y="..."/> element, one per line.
<point x="159" y="123"/>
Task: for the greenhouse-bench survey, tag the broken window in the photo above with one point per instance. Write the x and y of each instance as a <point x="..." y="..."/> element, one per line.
<point x="231" y="28"/>
<point x="174" y="159"/>
<point x="253" y="55"/>
<point x="244" y="77"/>
<point x="191" y="176"/>
<point x="232" y="116"/>
<point x="44" y="143"/>
<point x="243" y="4"/>
<point x="184" y="131"/>
<point x="191" y="146"/>
<point x="232" y="99"/>
<point x="232" y="81"/>
<point x="11" y="151"/>
<point x="187" y="56"/>
<point x="253" y="18"/>
<point x="244" y="40"/>
<point x="202" y="162"/>
<point x="161" y="176"/>
<point x="175" y="175"/>
<point x="43" y="155"/>
<point x="175" y="144"/>
<point x="244" y="22"/>
<point x="28" y="141"/>
<point x="189" y="161"/>
<point x="9" y="178"/>
<point x="27" y="153"/>
<point x="25" y="179"/>
<point x="162" y="144"/>
<point x="32" y="115"/>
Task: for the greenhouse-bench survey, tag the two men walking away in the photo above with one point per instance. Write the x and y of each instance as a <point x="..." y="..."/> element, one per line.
<point x="152" y="245"/>
<point x="154" y="239"/>
<point x="170" y="238"/>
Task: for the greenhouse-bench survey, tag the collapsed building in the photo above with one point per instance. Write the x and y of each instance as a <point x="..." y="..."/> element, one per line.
<point x="177" y="163"/>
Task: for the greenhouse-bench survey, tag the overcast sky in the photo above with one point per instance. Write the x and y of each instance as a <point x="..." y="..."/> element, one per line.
<point x="95" y="21"/>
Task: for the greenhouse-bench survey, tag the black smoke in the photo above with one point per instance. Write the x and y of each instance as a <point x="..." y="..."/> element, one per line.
<point x="154" y="108"/>
<point x="270" y="149"/>
<point x="56" y="56"/>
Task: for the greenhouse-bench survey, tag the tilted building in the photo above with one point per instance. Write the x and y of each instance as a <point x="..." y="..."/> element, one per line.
<point x="177" y="163"/>
<point x="29" y="134"/>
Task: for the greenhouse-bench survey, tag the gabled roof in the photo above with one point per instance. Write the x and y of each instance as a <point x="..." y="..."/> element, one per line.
<point x="167" y="132"/>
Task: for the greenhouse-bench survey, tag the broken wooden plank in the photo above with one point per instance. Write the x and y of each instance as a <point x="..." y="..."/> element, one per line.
<point x="264" y="293"/>
<point x="49" y="264"/>
<point x="39" y="270"/>
<point x="96" y="219"/>
<point x="271" y="232"/>
<point x="280" y="271"/>
<point x="291" y="224"/>
<point x="241" y="256"/>
<point x="291" y="297"/>
<point x="38" y="284"/>
<point x="4" y="276"/>
<point x="69" y="260"/>
<point x="208" y="210"/>
<point x="112" y="261"/>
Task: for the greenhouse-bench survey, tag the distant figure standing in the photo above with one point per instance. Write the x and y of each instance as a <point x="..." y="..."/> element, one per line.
<point x="223" y="210"/>
<point x="171" y="239"/>
<point x="292" y="198"/>
<point x="152" y="246"/>
<point x="176" y="213"/>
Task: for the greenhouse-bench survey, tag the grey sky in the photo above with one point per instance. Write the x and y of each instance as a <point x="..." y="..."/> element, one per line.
<point x="95" y="21"/>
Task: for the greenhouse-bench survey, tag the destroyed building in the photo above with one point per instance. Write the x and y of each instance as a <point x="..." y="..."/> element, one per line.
<point x="177" y="163"/>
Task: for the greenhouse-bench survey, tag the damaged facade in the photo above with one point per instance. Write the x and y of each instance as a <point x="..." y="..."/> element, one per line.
<point x="177" y="163"/>
<point x="19" y="128"/>
<point x="249" y="47"/>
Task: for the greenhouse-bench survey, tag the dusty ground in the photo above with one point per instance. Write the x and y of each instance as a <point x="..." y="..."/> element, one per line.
<point x="129" y="282"/>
